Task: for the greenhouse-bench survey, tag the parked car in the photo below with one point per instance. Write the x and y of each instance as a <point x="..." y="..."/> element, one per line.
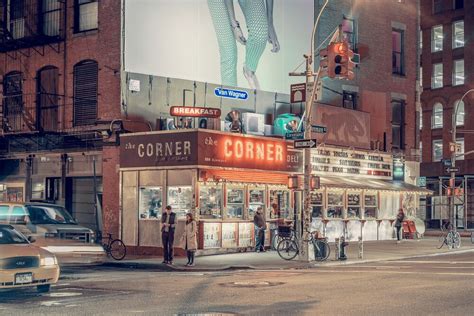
<point x="23" y="264"/>
<point x="55" y="230"/>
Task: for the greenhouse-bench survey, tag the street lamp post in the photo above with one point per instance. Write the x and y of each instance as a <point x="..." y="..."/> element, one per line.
<point x="453" y="159"/>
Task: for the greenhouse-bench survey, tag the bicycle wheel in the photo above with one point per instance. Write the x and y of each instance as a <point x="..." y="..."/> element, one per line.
<point x="455" y="240"/>
<point x="321" y="250"/>
<point x="118" y="251"/>
<point x="287" y="249"/>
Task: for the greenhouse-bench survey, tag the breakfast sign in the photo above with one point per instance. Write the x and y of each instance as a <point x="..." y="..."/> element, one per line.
<point x="208" y="148"/>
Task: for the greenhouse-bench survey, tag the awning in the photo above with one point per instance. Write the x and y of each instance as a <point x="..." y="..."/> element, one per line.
<point x="370" y="184"/>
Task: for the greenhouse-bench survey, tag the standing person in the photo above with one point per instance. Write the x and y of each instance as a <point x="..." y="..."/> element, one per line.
<point x="260" y="227"/>
<point x="189" y="239"/>
<point x="168" y="225"/>
<point x="398" y="223"/>
<point x="259" y="20"/>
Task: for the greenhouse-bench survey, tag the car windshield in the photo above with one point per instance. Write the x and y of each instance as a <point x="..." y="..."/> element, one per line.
<point x="9" y="235"/>
<point x="54" y="214"/>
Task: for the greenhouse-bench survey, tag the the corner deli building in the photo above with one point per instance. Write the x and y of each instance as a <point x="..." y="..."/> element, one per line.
<point x="221" y="177"/>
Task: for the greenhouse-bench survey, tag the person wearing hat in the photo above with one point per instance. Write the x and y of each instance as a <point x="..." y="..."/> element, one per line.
<point x="260" y="227"/>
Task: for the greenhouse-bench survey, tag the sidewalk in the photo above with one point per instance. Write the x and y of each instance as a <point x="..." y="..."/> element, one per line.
<point x="373" y="251"/>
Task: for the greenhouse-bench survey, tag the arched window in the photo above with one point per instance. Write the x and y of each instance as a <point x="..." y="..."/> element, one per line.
<point x="47" y="82"/>
<point x="12" y="101"/>
<point x="86" y="74"/>
<point x="460" y="113"/>
<point x="437" y="116"/>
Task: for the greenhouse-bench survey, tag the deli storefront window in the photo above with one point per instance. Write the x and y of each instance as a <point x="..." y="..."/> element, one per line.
<point x="180" y="198"/>
<point x="150" y="202"/>
<point x="335" y="204"/>
<point x="210" y="201"/>
<point x="235" y="203"/>
<point x="256" y="199"/>
<point x="370" y="210"/>
<point x="353" y="205"/>
<point x="280" y="204"/>
<point x="316" y="201"/>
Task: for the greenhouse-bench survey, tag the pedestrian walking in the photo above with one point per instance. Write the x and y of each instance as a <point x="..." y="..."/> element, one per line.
<point x="260" y="227"/>
<point x="398" y="223"/>
<point x="168" y="225"/>
<point x="189" y="239"/>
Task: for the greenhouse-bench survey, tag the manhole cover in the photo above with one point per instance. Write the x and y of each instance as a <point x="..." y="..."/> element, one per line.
<point x="252" y="284"/>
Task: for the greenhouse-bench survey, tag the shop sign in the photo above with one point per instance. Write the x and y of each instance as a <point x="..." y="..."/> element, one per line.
<point x="245" y="234"/>
<point x="229" y="235"/>
<point x="211" y="235"/>
<point x="231" y="94"/>
<point x="298" y="92"/>
<point x="398" y="170"/>
<point x="421" y="182"/>
<point x="195" y="111"/>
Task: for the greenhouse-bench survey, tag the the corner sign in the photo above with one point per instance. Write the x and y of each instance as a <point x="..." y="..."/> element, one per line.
<point x="305" y="143"/>
<point x="231" y="94"/>
<point x="195" y="111"/>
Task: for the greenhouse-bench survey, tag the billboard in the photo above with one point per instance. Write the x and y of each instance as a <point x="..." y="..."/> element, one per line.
<point x="251" y="44"/>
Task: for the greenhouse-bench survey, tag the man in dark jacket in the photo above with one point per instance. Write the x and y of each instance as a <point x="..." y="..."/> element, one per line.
<point x="398" y="223"/>
<point x="168" y="225"/>
<point x="260" y="226"/>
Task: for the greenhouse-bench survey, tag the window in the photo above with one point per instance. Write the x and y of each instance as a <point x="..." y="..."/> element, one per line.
<point x="13" y="100"/>
<point x="348" y="31"/>
<point x="370" y="205"/>
<point x="437" y="117"/>
<point x="398" y="124"/>
<point x="437" y="76"/>
<point x="458" y="34"/>
<point x="437" y="6"/>
<point x="437" y="150"/>
<point x="16" y="23"/>
<point x="256" y="200"/>
<point x="85" y="92"/>
<point x="85" y="15"/>
<point x="150" y="202"/>
<point x="458" y="72"/>
<point x="398" y="52"/>
<point x="51" y="16"/>
<point x="210" y="201"/>
<point x="460" y="113"/>
<point x="353" y="205"/>
<point x="280" y="204"/>
<point x="180" y="199"/>
<point x="316" y="201"/>
<point x="460" y="144"/>
<point x="458" y="4"/>
<point x="335" y="204"/>
<point x="437" y="38"/>
<point x="235" y="203"/>
<point x="349" y="100"/>
<point x="47" y="98"/>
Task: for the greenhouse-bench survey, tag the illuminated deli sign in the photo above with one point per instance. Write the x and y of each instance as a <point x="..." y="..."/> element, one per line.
<point x="206" y="148"/>
<point x="333" y="161"/>
<point x="195" y="111"/>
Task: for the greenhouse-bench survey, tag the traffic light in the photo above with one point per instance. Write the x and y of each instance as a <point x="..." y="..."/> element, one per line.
<point x="339" y="61"/>
<point x="323" y="62"/>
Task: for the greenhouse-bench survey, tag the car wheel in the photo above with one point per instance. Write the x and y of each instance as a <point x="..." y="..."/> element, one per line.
<point x="43" y="288"/>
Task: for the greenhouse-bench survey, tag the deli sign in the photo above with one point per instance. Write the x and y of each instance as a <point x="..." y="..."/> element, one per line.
<point x="208" y="148"/>
<point x="189" y="111"/>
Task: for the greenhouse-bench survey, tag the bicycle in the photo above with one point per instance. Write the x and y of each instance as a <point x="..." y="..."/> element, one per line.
<point x="114" y="248"/>
<point x="288" y="247"/>
<point x="451" y="238"/>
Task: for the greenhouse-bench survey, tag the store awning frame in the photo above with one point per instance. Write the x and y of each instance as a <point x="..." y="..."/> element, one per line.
<point x="372" y="184"/>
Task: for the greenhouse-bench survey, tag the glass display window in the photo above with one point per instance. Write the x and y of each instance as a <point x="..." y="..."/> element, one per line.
<point x="210" y="201"/>
<point x="150" y="202"/>
<point x="180" y="199"/>
<point x="256" y="199"/>
<point x="354" y="203"/>
<point x="335" y="204"/>
<point x="280" y="204"/>
<point x="235" y="202"/>
<point x="316" y="201"/>
<point x="370" y="203"/>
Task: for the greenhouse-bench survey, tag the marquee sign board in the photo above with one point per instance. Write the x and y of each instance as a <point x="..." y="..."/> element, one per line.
<point x="194" y="111"/>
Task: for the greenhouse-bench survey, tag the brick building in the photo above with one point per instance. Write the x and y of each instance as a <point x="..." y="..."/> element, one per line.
<point x="60" y="95"/>
<point x="447" y="66"/>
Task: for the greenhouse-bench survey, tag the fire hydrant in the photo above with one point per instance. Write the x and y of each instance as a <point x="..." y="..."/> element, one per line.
<point x="341" y="249"/>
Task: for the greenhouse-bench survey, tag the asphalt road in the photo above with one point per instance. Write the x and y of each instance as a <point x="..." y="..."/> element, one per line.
<point x="434" y="285"/>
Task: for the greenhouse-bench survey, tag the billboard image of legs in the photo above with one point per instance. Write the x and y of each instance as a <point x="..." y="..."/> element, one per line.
<point x="250" y="44"/>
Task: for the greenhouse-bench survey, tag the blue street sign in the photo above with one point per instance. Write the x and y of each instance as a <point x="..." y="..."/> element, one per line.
<point x="319" y="129"/>
<point x="294" y="135"/>
<point x="422" y="182"/>
<point x="447" y="162"/>
<point x="231" y="94"/>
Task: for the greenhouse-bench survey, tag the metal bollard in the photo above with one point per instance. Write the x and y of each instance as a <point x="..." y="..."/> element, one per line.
<point x="337" y="249"/>
<point x="361" y="248"/>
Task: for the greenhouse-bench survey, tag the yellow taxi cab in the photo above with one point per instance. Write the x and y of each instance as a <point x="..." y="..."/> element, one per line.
<point x="23" y="264"/>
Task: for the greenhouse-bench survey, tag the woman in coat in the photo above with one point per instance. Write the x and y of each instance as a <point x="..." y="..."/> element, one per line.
<point x="189" y="238"/>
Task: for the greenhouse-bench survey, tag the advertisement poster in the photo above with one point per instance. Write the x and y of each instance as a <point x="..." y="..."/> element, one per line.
<point x="229" y="235"/>
<point x="212" y="235"/>
<point x="245" y="234"/>
<point x="200" y="40"/>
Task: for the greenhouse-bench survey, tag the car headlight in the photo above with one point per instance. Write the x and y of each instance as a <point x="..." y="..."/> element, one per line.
<point x="49" y="261"/>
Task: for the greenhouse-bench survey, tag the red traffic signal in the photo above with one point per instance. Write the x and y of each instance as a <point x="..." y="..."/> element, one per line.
<point x="339" y="61"/>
